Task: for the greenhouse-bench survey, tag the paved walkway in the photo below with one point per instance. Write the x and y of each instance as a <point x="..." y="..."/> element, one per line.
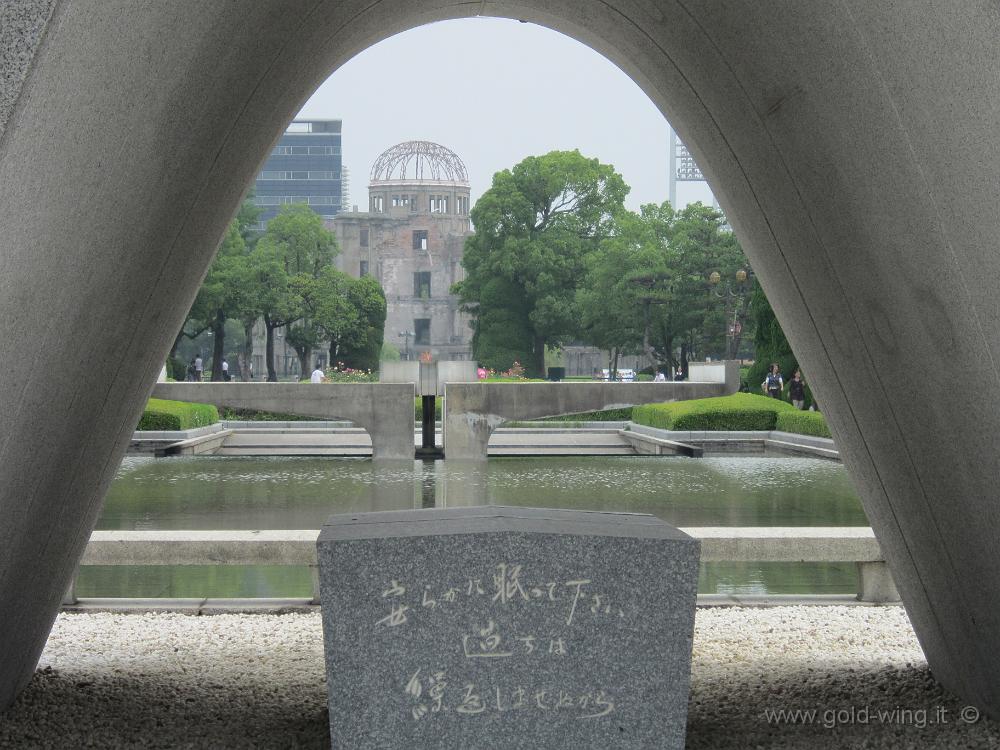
<point x="256" y="681"/>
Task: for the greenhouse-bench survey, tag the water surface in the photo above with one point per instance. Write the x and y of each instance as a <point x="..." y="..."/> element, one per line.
<point x="253" y="492"/>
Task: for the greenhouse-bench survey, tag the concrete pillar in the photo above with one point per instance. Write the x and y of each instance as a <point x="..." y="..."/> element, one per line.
<point x="875" y="583"/>
<point x="854" y="146"/>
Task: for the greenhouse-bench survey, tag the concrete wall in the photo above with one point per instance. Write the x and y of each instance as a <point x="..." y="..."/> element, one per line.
<point x="447" y="371"/>
<point x="854" y="146"/>
<point x="473" y="410"/>
<point x="384" y="410"/>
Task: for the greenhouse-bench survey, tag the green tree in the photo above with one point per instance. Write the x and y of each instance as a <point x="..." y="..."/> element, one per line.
<point x="534" y="228"/>
<point x="502" y="331"/>
<point x="695" y="318"/>
<point x="648" y="288"/>
<point x="288" y="258"/>
<point x="223" y="288"/>
<point x="334" y="315"/>
<point x="360" y="350"/>
<point x="623" y="280"/>
<point x="770" y="344"/>
<point x="215" y="299"/>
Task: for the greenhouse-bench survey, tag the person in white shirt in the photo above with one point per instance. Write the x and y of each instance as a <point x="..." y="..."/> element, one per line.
<point x="198" y="367"/>
<point x="660" y="377"/>
<point x="225" y="370"/>
<point x="318" y="376"/>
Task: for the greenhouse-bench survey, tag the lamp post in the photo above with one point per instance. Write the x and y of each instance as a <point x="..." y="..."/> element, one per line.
<point x="406" y="338"/>
<point x="736" y="292"/>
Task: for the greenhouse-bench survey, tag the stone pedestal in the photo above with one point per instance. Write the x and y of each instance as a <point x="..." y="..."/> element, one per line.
<point x="495" y="627"/>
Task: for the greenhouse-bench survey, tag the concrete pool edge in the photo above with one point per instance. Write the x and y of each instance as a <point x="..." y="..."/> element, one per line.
<point x="277" y="606"/>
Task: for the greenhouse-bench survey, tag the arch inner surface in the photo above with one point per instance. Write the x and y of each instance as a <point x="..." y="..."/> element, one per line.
<point x="854" y="146"/>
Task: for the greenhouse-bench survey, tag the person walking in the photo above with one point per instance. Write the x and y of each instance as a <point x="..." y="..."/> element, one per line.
<point x="797" y="390"/>
<point x="225" y="370"/>
<point x="660" y="377"/>
<point x="199" y="368"/>
<point x="318" y="376"/>
<point x="773" y="383"/>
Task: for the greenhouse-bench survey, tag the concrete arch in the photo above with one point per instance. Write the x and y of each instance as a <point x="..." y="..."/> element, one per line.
<point x="854" y="145"/>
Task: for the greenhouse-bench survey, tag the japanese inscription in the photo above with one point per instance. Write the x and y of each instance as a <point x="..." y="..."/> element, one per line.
<point x="495" y="596"/>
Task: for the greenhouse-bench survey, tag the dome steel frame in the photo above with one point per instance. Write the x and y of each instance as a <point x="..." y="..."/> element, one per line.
<point x="420" y="161"/>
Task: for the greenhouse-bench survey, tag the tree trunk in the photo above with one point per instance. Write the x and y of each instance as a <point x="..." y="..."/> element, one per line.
<point x="614" y="363"/>
<point x="539" y="358"/>
<point x="684" y="359"/>
<point x="177" y="342"/>
<point x="219" y="345"/>
<point x="272" y="376"/>
<point x="246" y="351"/>
<point x="304" y="366"/>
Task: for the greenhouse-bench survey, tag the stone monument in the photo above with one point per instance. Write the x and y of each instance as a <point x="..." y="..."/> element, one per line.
<point x="496" y="627"/>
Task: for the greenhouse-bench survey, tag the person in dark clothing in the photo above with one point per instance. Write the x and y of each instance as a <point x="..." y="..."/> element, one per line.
<point x="797" y="390"/>
<point x="773" y="383"/>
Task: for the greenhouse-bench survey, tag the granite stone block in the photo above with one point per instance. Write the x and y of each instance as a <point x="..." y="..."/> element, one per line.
<point x="495" y="627"/>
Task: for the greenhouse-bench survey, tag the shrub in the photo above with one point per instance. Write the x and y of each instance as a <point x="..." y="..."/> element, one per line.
<point x="803" y="423"/>
<point x="343" y="374"/>
<point x="176" y="415"/>
<point x="741" y="411"/>
<point x="176" y="368"/>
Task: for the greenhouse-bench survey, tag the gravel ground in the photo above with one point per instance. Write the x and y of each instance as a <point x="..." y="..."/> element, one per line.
<point x="256" y="681"/>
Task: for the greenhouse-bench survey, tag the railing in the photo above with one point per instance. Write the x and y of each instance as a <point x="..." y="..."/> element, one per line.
<point x="298" y="547"/>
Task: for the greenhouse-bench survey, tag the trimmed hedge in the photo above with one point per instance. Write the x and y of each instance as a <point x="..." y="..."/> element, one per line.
<point x="161" y="414"/>
<point x="803" y="423"/>
<point x="741" y="411"/>
<point x="610" y="415"/>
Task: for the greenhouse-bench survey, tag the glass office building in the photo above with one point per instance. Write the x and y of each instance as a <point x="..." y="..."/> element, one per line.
<point x="304" y="167"/>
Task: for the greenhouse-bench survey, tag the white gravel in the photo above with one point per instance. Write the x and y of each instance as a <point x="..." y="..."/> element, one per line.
<point x="256" y="681"/>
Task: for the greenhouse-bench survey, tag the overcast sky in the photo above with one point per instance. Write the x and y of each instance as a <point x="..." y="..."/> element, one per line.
<point x="495" y="91"/>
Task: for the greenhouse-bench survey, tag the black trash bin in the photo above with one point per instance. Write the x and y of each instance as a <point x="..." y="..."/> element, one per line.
<point x="557" y="373"/>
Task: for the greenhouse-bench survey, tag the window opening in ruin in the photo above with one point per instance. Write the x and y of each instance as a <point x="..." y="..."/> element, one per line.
<point x="422" y="331"/>
<point x="422" y="284"/>
<point x="419" y="239"/>
<point x="363" y="238"/>
<point x="364" y="268"/>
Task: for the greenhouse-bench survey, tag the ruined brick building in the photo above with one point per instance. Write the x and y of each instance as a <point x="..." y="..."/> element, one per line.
<point x="411" y="240"/>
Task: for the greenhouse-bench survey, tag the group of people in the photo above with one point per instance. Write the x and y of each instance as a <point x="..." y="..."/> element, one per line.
<point x="661" y="378"/>
<point x="774" y="384"/>
<point x="196" y="370"/>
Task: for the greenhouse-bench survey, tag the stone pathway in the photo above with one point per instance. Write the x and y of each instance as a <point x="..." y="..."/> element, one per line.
<point x="256" y="681"/>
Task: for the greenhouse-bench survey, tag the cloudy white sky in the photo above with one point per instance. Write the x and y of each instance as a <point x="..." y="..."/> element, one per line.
<point x="495" y="91"/>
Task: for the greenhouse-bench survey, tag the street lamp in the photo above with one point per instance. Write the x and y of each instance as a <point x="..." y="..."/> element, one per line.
<point x="736" y="294"/>
<point x="406" y="338"/>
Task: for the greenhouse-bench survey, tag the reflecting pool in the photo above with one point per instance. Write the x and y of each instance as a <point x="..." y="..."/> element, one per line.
<point x="254" y="492"/>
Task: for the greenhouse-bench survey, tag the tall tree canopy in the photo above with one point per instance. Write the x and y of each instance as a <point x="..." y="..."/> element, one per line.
<point x="649" y="289"/>
<point x="223" y="292"/>
<point x="361" y="345"/>
<point x="534" y="228"/>
<point x="287" y="261"/>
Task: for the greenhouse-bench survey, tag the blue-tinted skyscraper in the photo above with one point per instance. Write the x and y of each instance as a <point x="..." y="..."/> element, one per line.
<point x="305" y="167"/>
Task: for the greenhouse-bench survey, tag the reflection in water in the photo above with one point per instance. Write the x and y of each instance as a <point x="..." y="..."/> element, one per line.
<point x="253" y="492"/>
